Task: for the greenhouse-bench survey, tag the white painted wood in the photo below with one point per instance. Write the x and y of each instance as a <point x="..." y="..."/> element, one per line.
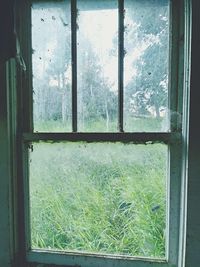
<point x="78" y="259"/>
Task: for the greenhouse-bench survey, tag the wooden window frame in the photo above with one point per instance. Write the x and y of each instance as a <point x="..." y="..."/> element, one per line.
<point x="176" y="139"/>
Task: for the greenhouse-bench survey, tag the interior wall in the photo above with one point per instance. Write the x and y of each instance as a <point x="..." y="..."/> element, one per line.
<point x="193" y="215"/>
<point x="5" y="244"/>
<point x="7" y="34"/>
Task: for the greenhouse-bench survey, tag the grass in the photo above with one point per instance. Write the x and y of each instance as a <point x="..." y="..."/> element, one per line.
<point x="149" y="124"/>
<point x="102" y="197"/>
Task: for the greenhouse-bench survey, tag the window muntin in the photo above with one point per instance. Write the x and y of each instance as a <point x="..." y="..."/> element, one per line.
<point x="172" y="139"/>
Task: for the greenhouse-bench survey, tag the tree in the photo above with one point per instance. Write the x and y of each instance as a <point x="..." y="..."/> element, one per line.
<point x="51" y="43"/>
<point x="96" y="100"/>
<point x="147" y="31"/>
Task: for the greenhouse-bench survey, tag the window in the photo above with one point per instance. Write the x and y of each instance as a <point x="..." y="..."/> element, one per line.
<point x="102" y="132"/>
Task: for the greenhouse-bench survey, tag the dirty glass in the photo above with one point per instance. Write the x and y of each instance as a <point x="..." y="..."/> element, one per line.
<point x="110" y="204"/>
<point x="146" y="65"/>
<point x="51" y="64"/>
<point x="97" y="61"/>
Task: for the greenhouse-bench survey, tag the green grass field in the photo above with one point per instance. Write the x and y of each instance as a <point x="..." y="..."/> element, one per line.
<point x="100" y="198"/>
<point x="149" y="124"/>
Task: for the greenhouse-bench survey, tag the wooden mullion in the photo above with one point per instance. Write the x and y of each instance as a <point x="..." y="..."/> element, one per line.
<point x="102" y="137"/>
<point x="74" y="63"/>
<point x="120" y="64"/>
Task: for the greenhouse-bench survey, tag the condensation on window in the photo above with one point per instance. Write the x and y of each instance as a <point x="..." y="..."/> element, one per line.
<point x="97" y="58"/>
<point x="146" y="54"/>
<point x="51" y="60"/>
<point x="146" y="96"/>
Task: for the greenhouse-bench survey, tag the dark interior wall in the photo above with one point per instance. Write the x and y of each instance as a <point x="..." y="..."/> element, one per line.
<point x="7" y="32"/>
<point x="193" y="210"/>
<point x="7" y="50"/>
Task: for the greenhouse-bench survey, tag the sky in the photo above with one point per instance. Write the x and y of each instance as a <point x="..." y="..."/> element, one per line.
<point x="100" y="27"/>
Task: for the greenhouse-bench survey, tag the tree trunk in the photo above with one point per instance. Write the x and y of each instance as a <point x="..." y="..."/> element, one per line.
<point x="107" y="116"/>
<point x="64" y="100"/>
<point x="157" y="111"/>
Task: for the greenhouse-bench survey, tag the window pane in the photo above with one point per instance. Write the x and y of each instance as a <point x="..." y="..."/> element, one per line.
<point x="97" y="65"/>
<point x="51" y="42"/>
<point x="110" y="204"/>
<point x="146" y="65"/>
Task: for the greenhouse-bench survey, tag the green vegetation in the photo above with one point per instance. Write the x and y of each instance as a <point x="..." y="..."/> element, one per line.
<point x="102" y="197"/>
<point x="133" y="124"/>
<point x="146" y="54"/>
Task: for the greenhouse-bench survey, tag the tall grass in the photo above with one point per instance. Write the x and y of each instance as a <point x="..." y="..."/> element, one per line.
<point x="102" y="197"/>
<point x="134" y="124"/>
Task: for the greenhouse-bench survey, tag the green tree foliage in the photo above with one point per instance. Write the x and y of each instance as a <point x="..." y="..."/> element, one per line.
<point x="146" y="31"/>
<point x="51" y="61"/>
<point x="52" y="99"/>
<point x="148" y="28"/>
<point x="96" y="100"/>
